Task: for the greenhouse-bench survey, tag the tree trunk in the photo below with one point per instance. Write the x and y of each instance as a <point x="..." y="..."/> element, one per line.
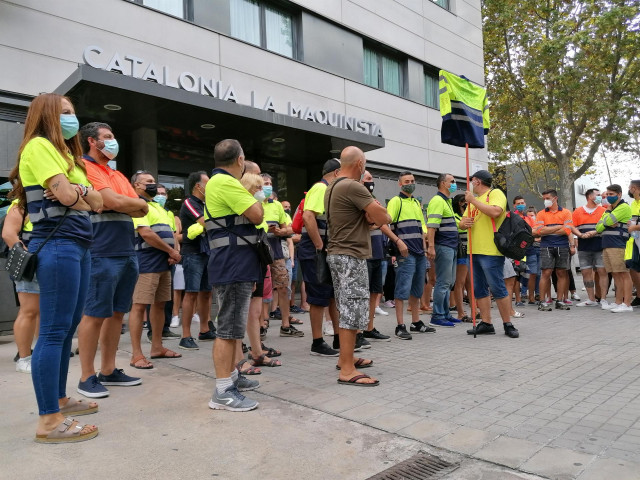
<point x="565" y="192"/>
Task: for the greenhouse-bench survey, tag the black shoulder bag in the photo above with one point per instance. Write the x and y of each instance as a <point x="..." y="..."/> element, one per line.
<point x="21" y="264"/>
<point x="323" y="273"/>
<point x="262" y="247"/>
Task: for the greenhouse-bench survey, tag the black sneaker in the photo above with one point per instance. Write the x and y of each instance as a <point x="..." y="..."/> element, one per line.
<point x="545" y="307"/>
<point x="212" y="327"/>
<point x="562" y="306"/>
<point x="324" y="350"/>
<point x="336" y="345"/>
<point x="510" y="330"/>
<point x="188" y="343"/>
<point x="636" y="302"/>
<point x="482" y="328"/>
<point x="364" y="343"/>
<point x="118" y="378"/>
<point x="207" y="335"/>
<point x="263" y="333"/>
<point x="532" y="304"/>
<point x="419" y="326"/>
<point x="402" y="334"/>
<point x="122" y="329"/>
<point x="145" y="324"/>
<point x="276" y="314"/>
<point x="169" y="334"/>
<point x="290" y="331"/>
<point x="376" y="335"/>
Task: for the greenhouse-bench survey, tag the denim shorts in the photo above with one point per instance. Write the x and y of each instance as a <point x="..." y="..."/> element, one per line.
<point x="410" y="276"/>
<point x="590" y="260"/>
<point x="317" y="293"/>
<point x="463" y="260"/>
<point x="233" y="303"/>
<point x="196" y="276"/>
<point x="24" y="286"/>
<point x="488" y="274"/>
<point x="555" y="257"/>
<point x="533" y="261"/>
<point x="113" y="280"/>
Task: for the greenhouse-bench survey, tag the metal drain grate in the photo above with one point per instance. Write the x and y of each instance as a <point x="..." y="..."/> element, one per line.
<point x="421" y="466"/>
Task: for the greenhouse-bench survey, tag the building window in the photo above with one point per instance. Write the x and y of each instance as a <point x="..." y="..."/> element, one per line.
<point x="442" y="3"/>
<point x="177" y="8"/>
<point x="263" y="25"/>
<point x="383" y="71"/>
<point x="431" y="89"/>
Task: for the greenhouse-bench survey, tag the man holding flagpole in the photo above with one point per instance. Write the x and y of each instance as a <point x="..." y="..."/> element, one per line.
<point x="486" y="210"/>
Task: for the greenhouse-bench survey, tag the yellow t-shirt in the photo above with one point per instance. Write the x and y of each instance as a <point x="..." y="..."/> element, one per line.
<point x="225" y="195"/>
<point x="482" y="230"/>
<point x="28" y="226"/>
<point x="274" y="212"/>
<point x="40" y="161"/>
<point x="314" y="200"/>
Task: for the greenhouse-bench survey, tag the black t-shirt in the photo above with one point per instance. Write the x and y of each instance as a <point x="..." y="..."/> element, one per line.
<point x="190" y="211"/>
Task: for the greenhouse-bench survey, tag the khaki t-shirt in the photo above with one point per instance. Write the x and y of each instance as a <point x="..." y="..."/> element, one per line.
<point x="348" y="227"/>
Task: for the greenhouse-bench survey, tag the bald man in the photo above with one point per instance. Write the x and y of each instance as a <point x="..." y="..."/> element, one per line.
<point x="351" y="209"/>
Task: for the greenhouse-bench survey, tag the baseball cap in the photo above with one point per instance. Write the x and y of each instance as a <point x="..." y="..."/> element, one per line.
<point x="330" y="165"/>
<point x="483" y="175"/>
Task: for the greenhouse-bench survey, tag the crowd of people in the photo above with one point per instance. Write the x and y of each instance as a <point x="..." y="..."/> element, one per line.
<point x="107" y="246"/>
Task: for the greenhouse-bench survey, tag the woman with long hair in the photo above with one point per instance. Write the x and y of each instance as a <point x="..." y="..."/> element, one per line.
<point x="50" y="179"/>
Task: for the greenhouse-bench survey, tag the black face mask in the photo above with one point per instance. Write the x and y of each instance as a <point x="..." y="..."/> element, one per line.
<point x="151" y="189"/>
<point x="630" y="193"/>
<point x="369" y="186"/>
<point x="287" y="211"/>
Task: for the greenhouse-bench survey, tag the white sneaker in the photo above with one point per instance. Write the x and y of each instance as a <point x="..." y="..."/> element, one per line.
<point x="587" y="303"/>
<point x="23" y="365"/>
<point x="195" y="318"/>
<point x="606" y="305"/>
<point x="380" y="311"/>
<point x="575" y="296"/>
<point x="175" y="321"/>
<point x="622" y="308"/>
<point x="327" y="328"/>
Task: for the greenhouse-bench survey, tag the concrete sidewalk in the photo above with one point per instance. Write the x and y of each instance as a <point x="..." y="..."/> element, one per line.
<point x="562" y="401"/>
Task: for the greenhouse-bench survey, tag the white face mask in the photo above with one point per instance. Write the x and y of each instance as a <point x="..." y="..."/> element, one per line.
<point x="548" y="203"/>
<point x="259" y="195"/>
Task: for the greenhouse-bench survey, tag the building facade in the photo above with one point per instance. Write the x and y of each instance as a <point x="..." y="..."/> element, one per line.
<point x="294" y="81"/>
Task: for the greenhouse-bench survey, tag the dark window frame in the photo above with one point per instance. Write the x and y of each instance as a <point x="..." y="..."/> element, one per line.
<point x="383" y="51"/>
<point x="430" y="70"/>
<point x="187" y="9"/>
<point x="295" y="15"/>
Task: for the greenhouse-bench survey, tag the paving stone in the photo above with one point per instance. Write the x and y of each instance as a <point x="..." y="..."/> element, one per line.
<point x="427" y="430"/>
<point x="393" y="421"/>
<point x="508" y="451"/>
<point x="465" y="440"/>
<point x="611" y="469"/>
<point x="557" y="463"/>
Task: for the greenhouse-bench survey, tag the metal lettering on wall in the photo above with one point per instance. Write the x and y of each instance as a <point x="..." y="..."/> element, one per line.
<point x="137" y="67"/>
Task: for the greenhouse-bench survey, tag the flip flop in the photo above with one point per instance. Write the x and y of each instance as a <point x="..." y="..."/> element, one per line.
<point x="359" y="363"/>
<point x="135" y="360"/>
<point x="294" y="321"/>
<point x="166" y="353"/>
<point x="78" y="407"/>
<point x="353" y="381"/>
<point x="67" y="432"/>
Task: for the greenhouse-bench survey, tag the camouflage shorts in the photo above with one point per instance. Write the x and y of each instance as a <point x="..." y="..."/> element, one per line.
<point x="351" y="287"/>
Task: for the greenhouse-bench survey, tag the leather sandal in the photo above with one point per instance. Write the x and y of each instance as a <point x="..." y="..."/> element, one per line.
<point x="67" y="432"/>
<point x="78" y="407"/>
<point x="264" y="361"/>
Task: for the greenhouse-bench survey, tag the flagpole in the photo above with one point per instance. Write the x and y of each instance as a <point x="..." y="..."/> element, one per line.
<point x="471" y="294"/>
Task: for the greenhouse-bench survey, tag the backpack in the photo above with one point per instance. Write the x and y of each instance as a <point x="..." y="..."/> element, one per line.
<point x="514" y="236"/>
<point x="296" y="222"/>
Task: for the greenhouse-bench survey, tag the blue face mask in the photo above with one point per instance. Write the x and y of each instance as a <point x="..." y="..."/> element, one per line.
<point x="70" y="125"/>
<point x="160" y="200"/>
<point x="453" y="187"/>
<point x="111" y="149"/>
<point x="268" y="190"/>
<point x="598" y="199"/>
<point x="521" y="208"/>
<point x="612" y="199"/>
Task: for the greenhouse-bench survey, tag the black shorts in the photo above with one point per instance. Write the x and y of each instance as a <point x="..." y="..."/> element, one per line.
<point x="555" y="257"/>
<point x="374" y="268"/>
<point x="259" y="291"/>
<point x="318" y="294"/>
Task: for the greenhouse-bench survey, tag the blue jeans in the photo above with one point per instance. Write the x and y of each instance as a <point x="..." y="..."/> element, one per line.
<point x="410" y="276"/>
<point x="64" y="269"/>
<point x="488" y="274"/>
<point x="445" y="278"/>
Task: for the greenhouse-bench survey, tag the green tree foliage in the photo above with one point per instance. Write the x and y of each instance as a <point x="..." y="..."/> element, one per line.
<point x="563" y="82"/>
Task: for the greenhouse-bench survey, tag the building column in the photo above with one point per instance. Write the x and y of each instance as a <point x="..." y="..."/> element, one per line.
<point x="144" y="149"/>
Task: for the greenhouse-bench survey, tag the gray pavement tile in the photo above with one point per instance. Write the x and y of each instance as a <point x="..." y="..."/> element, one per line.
<point x="508" y="451"/>
<point x="427" y="430"/>
<point x="465" y="440"/>
<point x="557" y="463"/>
<point x="610" y="468"/>
<point x="393" y="421"/>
